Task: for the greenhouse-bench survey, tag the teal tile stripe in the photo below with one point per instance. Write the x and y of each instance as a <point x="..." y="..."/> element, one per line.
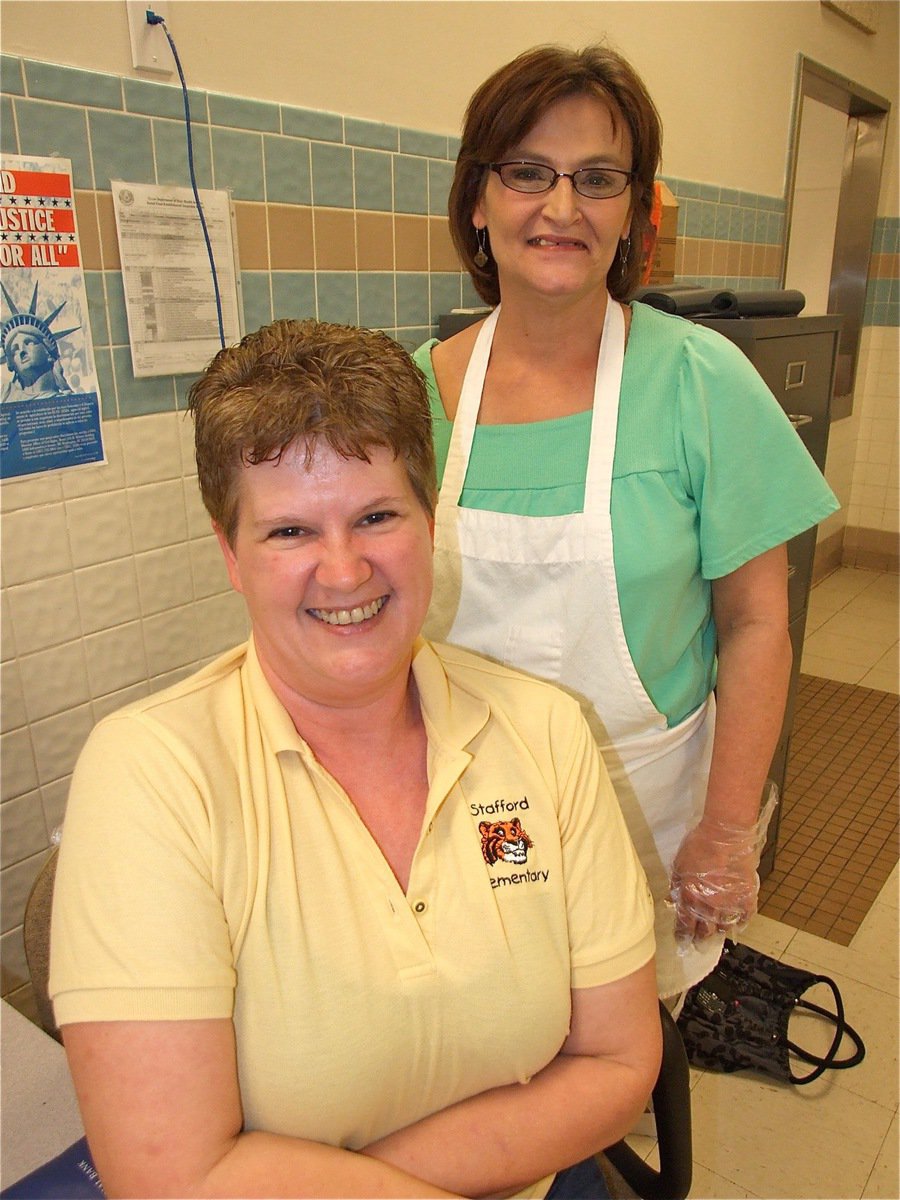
<point x="726" y="214"/>
<point x="133" y="128"/>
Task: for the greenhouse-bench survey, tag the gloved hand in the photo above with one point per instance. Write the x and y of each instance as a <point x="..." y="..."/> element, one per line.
<point x="714" y="884"/>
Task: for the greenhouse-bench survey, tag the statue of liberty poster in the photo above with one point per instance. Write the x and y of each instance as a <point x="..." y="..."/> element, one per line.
<point x="49" y="399"/>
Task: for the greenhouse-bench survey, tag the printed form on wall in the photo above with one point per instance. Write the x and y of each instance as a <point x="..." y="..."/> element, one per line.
<point x="170" y="298"/>
<point x="50" y="402"/>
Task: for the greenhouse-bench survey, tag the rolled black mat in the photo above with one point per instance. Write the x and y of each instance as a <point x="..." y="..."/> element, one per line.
<point x="781" y="303"/>
<point x="688" y="302"/>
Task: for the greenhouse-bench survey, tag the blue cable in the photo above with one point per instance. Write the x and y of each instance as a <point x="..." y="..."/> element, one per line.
<point x="155" y="19"/>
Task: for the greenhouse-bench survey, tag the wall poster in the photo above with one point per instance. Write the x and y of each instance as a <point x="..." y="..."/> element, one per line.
<point x="50" y="401"/>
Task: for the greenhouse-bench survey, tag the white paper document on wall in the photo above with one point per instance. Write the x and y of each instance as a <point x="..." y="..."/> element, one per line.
<point x="170" y="300"/>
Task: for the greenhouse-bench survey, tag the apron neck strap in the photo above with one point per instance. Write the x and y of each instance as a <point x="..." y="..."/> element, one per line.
<point x="607" y="383"/>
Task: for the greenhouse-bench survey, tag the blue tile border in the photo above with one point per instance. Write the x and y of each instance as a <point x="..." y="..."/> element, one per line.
<point x="11" y="77"/>
<point x="164" y="100"/>
<point x="306" y="122"/>
<point x="371" y="134"/>
<point x="47" y="81"/>
<point x="238" y="113"/>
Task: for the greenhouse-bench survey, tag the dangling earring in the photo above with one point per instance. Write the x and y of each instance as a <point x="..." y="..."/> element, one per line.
<point x="624" y="251"/>
<point x="480" y="257"/>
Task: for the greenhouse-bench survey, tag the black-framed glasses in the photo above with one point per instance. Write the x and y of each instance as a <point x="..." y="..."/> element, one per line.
<point x="596" y="183"/>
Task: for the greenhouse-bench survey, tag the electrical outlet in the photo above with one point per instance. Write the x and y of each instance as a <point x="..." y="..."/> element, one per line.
<point x="149" y="47"/>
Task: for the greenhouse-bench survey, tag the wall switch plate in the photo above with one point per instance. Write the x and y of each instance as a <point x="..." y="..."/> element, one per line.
<point x="149" y="47"/>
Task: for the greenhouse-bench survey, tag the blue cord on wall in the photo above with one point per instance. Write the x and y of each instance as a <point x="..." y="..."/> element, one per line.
<point x="155" y="19"/>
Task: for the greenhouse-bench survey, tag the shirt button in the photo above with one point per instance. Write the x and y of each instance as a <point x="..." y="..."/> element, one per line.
<point x="419" y="906"/>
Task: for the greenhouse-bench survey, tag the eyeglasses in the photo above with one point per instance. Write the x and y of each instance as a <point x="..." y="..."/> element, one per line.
<point x="596" y="183"/>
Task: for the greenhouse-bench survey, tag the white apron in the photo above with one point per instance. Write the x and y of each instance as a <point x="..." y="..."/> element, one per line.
<point x="539" y="594"/>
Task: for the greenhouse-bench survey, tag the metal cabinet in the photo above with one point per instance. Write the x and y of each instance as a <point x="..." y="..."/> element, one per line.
<point x="796" y="357"/>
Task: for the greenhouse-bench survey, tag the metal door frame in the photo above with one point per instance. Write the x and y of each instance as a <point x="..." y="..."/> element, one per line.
<point x="867" y="115"/>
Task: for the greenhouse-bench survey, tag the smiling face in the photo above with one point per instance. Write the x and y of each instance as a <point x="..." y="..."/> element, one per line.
<point x="333" y="557"/>
<point x="558" y="243"/>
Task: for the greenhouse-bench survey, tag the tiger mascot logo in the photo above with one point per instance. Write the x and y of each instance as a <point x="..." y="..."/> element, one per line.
<point x="505" y="840"/>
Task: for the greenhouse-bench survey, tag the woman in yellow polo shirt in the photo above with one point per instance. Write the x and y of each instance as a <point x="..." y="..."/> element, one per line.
<point x="346" y="913"/>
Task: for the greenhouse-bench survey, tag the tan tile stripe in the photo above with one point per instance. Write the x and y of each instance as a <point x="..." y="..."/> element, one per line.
<point x="838" y="839"/>
<point x="295" y="237"/>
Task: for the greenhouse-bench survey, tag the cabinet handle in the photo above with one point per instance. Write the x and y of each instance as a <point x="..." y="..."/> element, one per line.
<point x="795" y="375"/>
<point x="798" y="419"/>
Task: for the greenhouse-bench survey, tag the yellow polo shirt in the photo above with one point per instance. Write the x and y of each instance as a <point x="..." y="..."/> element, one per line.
<point x="210" y="867"/>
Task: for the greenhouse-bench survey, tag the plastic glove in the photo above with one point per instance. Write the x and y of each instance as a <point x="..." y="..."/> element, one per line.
<point x="714" y="883"/>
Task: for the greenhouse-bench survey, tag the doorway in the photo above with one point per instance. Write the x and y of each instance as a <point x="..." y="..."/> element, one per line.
<point x="834" y="174"/>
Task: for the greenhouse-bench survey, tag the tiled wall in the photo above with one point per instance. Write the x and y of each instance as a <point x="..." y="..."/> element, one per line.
<point x="112" y="583"/>
<point x="726" y="238"/>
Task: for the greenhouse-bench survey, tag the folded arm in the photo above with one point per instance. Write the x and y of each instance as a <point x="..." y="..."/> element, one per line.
<point x="586" y="1098"/>
<point x="161" y="1108"/>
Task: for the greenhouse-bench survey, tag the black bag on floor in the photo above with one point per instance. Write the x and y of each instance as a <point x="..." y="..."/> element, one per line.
<point x="737" y="1018"/>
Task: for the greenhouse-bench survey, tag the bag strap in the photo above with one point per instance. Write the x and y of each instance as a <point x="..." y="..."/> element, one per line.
<point x="829" y="1060"/>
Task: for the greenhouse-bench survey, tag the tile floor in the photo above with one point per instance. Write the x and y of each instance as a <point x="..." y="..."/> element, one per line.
<point x="838" y="1137"/>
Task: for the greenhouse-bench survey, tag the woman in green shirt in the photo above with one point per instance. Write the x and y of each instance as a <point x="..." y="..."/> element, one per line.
<point x="617" y="486"/>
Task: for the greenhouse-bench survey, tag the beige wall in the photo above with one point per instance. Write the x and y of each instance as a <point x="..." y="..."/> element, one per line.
<point x="722" y="72"/>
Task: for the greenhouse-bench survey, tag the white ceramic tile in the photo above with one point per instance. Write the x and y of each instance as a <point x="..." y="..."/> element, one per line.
<point x="44" y="614"/>
<point x="765" y="934"/>
<point x="18" y="771"/>
<point x="99" y="529"/>
<point x="221" y="623"/>
<point x="13" y="967"/>
<point x="198" y="519"/>
<point x="58" y="740"/>
<point x="882" y="679"/>
<point x="53" y="801"/>
<point x="208" y="568"/>
<point x="878" y="935"/>
<point x="54" y="680"/>
<point x="157" y="515"/>
<point x="831" y="959"/>
<point x="151" y="446"/>
<point x="7" y="642"/>
<point x="22" y="829"/>
<point x="29" y="491"/>
<point x="186" y="440"/>
<point x="830" y="668"/>
<point x="115" y="658"/>
<point x="115" y="700"/>
<point x="884" y="1181"/>
<point x="706" y="1185"/>
<point x="873" y="604"/>
<point x="172" y="640"/>
<point x="773" y="1140"/>
<point x="35" y="544"/>
<point x="12" y="698"/>
<point x="845" y="584"/>
<point x="107" y="594"/>
<point x="106" y="477"/>
<point x="15" y="885"/>
<point x="880" y="632"/>
<point x="164" y="579"/>
<point x="841" y="647"/>
<point x="873" y="1015"/>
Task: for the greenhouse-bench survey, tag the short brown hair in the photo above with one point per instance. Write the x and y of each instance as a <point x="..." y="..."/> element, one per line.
<point x="512" y="101"/>
<point x="300" y="381"/>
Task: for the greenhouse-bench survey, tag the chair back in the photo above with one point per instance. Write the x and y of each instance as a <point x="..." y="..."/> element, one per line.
<point x="36" y="932"/>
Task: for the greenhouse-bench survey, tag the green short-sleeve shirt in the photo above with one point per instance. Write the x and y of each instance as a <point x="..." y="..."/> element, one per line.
<point x="707" y="474"/>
